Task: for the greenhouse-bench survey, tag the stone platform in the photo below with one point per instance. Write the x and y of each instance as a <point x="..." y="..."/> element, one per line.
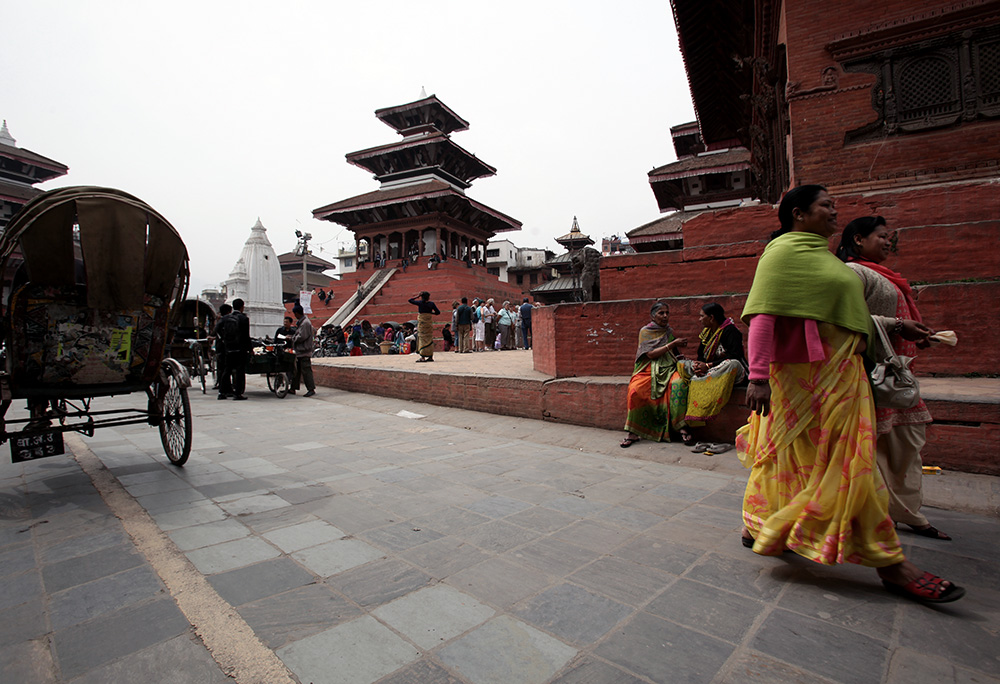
<point x="965" y="435"/>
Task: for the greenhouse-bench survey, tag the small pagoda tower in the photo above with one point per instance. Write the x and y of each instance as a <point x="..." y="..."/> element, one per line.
<point x="420" y="208"/>
<point x="20" y="170"/>
<point x="578" y="279"/>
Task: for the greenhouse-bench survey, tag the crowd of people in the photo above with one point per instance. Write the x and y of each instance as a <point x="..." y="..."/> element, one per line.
<point x="484" y="326"/>
<point x="831" y="473"/>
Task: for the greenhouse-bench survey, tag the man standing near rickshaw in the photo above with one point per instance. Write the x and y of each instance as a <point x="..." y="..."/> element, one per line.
<point x="302" y="345"/>
<point x="234" y="331"/>
<point x="220" y="350"/>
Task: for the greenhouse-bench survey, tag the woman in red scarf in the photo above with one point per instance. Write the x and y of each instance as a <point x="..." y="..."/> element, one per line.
<point x="865" y="244"/>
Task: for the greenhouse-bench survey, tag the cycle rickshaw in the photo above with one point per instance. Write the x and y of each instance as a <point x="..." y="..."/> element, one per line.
<point x="91" y="277"/>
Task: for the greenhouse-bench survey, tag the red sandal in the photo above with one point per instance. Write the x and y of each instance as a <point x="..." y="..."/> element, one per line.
<point x="927" y="589"/>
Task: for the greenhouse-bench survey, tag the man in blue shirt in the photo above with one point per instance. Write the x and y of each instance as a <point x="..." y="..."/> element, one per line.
<point x="526" y="308"/>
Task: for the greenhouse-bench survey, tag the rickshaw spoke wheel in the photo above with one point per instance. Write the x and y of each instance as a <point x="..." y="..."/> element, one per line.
<point x="175" y="424"/>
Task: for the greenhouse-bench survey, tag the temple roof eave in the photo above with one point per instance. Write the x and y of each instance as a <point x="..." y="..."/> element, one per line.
<point x="480" y="169"/>
<point x="736" y="159"/>
<point x="364" y="206"/>
<point x="716" y="42"/>
<point x="451" y="121"/>
<point x="26" y="156"/>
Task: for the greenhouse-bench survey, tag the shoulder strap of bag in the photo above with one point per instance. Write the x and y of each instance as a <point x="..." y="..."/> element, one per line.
<point x="888" y="351"/>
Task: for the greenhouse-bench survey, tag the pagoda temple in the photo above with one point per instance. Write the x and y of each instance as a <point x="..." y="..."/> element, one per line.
<point x="20" y="170"/>
<point x="577" y="269"/>
<point x="420" y="208"/>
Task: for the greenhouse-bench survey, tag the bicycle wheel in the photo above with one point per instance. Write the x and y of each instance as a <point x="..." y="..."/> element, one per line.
<point x="281" y="381"/>
<point x="199" y="367"/>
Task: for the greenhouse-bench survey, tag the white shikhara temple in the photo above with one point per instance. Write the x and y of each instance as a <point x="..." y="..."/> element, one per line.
<point x="256" y="279"/>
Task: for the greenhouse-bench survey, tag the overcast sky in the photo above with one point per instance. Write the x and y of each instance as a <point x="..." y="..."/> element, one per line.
<point x="217" y="112"/>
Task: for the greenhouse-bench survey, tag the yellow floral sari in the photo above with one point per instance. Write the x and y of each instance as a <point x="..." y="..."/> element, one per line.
<point x="814" y="487"/>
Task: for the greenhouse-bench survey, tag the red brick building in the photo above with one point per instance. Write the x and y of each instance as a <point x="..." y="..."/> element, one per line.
<point x="895" y="107"/>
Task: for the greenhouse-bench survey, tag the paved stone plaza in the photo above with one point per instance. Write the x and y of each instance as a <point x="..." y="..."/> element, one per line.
<point x="349" y="538"/>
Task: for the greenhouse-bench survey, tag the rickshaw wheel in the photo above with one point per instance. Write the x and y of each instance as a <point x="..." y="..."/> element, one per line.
<point x="175" y="424"/>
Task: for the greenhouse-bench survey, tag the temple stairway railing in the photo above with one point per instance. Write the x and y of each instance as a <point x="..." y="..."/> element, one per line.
<point x="353" y="306"/>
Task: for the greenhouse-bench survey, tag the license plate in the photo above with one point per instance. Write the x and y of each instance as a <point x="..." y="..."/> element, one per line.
<point x="29" y="447"/>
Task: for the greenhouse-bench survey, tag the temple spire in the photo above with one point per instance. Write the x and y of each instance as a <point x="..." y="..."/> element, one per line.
<point x="5" y="137"/>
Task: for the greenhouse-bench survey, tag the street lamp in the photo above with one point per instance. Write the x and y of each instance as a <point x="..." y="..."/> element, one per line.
<point x="302" y="250"/>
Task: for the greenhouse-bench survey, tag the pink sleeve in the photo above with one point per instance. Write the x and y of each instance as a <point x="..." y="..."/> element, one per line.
<point x="814" y="344"/>
<point x="760" y="346"/>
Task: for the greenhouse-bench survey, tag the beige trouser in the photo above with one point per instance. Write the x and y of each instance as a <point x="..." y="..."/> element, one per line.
<point x="901" y="467"/>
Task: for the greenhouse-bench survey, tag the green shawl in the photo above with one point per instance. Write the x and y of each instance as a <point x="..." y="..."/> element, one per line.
<point x="661" y="368"/>
<point x="798" y="276"/>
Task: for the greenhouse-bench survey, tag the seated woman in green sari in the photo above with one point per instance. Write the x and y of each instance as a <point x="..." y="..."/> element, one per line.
<point x="707" y="382"/>
<point x="649" y="389"/>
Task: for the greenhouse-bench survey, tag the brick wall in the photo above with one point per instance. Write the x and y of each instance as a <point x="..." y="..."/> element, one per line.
<point x="599" y="338"/>
<point x="819" y="121"/>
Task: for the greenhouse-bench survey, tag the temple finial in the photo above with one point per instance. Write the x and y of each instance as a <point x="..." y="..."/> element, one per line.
<point x="423" y="93"/>
<point x="5" y="137"/>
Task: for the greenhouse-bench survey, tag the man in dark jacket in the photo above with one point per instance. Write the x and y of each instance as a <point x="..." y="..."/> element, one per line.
<point x="220" y="351"/>
<point x="234" y="331"/>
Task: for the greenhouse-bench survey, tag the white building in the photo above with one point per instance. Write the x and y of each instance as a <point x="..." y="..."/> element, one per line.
<point x="504" y="255"/>
<point x="256" y="279"/>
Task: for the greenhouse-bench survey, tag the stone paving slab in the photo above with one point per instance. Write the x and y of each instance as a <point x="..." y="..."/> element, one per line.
<point x="361" y="545"/>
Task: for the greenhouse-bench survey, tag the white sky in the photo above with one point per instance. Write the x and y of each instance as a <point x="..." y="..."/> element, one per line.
<point x="217" y="112"/>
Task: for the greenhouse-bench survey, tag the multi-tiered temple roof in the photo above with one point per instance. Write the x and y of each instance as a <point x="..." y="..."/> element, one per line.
<point x="420" y="207"/>
<point x="20" y="170"/>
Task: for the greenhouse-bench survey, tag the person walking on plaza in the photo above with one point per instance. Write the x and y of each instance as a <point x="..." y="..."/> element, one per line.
<point x="865" y="244"/>
<point x="302" y="345"/>
<point x="463" y="326"/>
<point x="814" y="486"/>
<point x="425" y="325"/>
<point x="526" y="323"/>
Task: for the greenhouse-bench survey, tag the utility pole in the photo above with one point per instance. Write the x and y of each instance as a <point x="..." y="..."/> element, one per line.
<point x="302" y="250"/>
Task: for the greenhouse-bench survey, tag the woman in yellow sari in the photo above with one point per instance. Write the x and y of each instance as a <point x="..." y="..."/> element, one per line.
<point x="649" y="390"/>
<point x="814" y="487"/>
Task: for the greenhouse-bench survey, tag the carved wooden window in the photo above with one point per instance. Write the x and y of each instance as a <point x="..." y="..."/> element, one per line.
<point x="986" y="67"/>
<point x="934" y="83"/>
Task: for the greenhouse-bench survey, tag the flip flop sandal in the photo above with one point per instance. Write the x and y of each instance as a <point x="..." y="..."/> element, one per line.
<point x="719" y="448"/>
<point x="926" y="589"/>
<point x="700" y="447"/>
<point x="931" y="531"/>
<point x="629" y="441"/>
